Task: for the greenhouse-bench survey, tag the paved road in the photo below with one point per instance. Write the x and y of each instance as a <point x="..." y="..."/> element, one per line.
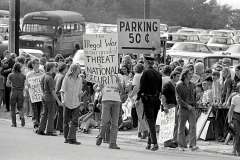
<point x="22" y="144"/>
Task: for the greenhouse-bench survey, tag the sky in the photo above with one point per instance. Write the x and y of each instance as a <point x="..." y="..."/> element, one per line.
<point x="235" y="4"/>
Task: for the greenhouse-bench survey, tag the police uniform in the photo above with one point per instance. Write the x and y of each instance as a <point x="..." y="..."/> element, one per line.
<point x="150" y="88"/>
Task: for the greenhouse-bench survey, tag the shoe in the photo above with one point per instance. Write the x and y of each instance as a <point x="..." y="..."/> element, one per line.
<point x="238" y="154"/>
<point x="13" y="125"/>
<point x="99" y="141"/>
<point x="35" y="129"/>
<point x="145" y="135"/>
<point x="41" y="133"/>
<point x="139" y="134"/>
<point x="51" y="134"/>
<point x="173" y="145"/>
<point x="148" y="146"/>
<point x="221" y="140"/>
<point x="17" y="112"/>
<point x="85" y="131"/>
<point x="234" y="152"/>
<point x="194" y="148"/>
<point x="6" y="110"/>
<point x="113" y="146"/>
<point x="181" y="149"/>
<point x="80" y="130"/>
<point x="155" y="147"/>
<point x="66" y="141"/>
<point x="60" y="133"/>
<point x="73" y="141"/>
<point x="22" y="121"/>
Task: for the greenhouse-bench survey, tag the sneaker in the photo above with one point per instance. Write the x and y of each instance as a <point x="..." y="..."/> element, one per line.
<point x="74" y="141"/>
<point x="66" y="141"/>
<point x="155" y="147"/>
<point x="194" y="148"/>
<point x="113" y="146"/>
<point x="41" y="133"/>
<point x="99" y="141"/>
<point x="148" y="146"/>
<point x="13" y="125"/>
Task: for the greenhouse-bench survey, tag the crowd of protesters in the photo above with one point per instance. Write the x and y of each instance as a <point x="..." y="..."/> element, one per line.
<point x="70" y="104"/>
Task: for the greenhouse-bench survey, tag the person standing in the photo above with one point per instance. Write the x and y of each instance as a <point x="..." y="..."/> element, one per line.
<point x="142" y="126"/>
<point x="7" y="65"/>
<point x="71" y="92"/>
<point x="16" y="81"/>
<point x="169" y="101"/>
<point x="49" y="99"/>
<point x="58" y="79"/>
<point x="186" y="98"/>
<point x="36" y="106"/>
<point x="149" y="91"/>
<point x="110" y="112"/>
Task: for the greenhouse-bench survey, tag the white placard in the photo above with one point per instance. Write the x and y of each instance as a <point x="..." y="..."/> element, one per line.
<point x="101" y="58"/>
<point x="34" y="89"/>
<point x="167" y="122"/>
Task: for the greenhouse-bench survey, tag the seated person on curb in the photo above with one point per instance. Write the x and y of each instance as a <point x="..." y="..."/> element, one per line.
<point x="87" y="120"/>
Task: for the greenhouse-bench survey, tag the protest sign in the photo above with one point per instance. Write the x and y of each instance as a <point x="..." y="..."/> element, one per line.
<point x="101" y="58"/>
<point x="34" y="89"/>
<point x="167" y="122"/>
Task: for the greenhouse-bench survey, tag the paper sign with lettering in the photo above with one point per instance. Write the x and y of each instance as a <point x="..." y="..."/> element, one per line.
<point x="167" y="122"/>
<point x="34" y="89"/>
<point x="101" y="58"/>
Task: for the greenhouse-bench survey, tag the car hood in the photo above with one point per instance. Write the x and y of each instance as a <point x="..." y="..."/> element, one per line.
<point x="35" y="38"/>
<point x="184" y="52"/>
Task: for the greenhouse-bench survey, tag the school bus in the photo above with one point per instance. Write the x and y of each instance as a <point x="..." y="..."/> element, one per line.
<point x="53" y="32"/>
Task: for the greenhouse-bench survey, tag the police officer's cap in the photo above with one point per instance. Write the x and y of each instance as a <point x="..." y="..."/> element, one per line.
<point x="149" y="57"/>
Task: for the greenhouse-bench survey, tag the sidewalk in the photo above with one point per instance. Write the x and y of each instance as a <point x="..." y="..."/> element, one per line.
<point x="130" y="136"/>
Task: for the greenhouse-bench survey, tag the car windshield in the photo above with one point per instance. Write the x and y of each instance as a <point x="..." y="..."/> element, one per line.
<point x="185" y="47"/>
<point x="236" y="39"/>
<point x="179" y="38"/>
<point x="234" y="49"/>
<point x="218" y="40"/>
<point x="223" y="34"/>
<point x="38" y="28"/>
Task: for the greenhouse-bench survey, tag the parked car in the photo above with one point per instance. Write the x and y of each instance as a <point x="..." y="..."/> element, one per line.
<point x="209" y="60"/>
<point x="180" y="37"/>
<point x="79" y="58"/>
<point x="107" y="28"/>
<point x="192" y="47"/>
<point x="223" y="33"/>
<point x="236" y="38"/>
<point x="220" y="43"/>
<point x="191" y="31"/>
<point x="204" y="38"/>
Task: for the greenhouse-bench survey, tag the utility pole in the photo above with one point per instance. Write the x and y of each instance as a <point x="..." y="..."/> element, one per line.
<point x="146" y="9"/>
<point x="17" y="25"/>
<point x="12" y="20"/>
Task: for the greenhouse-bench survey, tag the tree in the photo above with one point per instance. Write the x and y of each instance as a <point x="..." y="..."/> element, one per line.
<point x="234" y="19"/>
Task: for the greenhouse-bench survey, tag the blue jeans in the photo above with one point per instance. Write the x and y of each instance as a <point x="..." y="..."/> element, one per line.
<point x="47" y="119"/>
<point x="184" y="116"/>
<point x="110" y="112"/>
<point x="16" y="98"/>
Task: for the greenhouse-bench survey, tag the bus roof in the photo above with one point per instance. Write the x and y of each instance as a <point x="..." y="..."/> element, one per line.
<point x="4" y="12"/>
<point x="55" y="17"/>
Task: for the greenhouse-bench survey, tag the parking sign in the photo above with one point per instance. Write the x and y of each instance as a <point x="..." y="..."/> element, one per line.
<point x="139" y="36"/>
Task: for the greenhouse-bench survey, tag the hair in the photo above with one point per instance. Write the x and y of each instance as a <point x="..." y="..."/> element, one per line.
<point x="49" y="66"/>
<point x="13" y="55"/>
<point x="173" y="74"/>
<point x="29" y="64"/>
<point x="124" y="65"/>
<point x="5" y="52"/>
<point x="190" y="66"/>
<point x="229" y="72"/>
<point x="199" y="85"/>
<point x="62" y="67"/>
<point x="16" y="68"/>
<point x="43" y="60"/>
<point x="167" y="70"/>
<point x="184" y="74"/>
<point x="179" y="69"/>
<point x="72" y="69"/>
<point x="237" y="67"/>
<point x="20" y="59"/>
<point x="208" y="70"/>
<point x="216" y="73"/>
<point x="68" y="59"/>
<point x="27" y="59"/>
<point x="139" y="67"/>
<point x="150" y="62"/>
<point x="208" y="78"/>
<point x="58" y="57"/>
<point x="181" y="60"/>
<point x="140" y="61"/>
<point x="35" y="60"/>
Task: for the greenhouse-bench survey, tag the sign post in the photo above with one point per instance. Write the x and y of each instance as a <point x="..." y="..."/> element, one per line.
<point x="139" y="36"/>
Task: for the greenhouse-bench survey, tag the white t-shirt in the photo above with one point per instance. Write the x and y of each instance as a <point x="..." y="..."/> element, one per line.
<point x="111" y="93"/>
<point x="236" y="102"/>
<point x="136" y="83"/>
<point x="165" y="80"/>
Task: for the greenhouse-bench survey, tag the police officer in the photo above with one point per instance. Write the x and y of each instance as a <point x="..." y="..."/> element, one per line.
<point x="149" y="91"/>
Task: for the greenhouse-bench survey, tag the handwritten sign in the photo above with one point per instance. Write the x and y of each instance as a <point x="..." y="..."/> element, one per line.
<point x="34" y="89"/>
<point x="101" y="58"/>
<point x="167" y="122"/>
